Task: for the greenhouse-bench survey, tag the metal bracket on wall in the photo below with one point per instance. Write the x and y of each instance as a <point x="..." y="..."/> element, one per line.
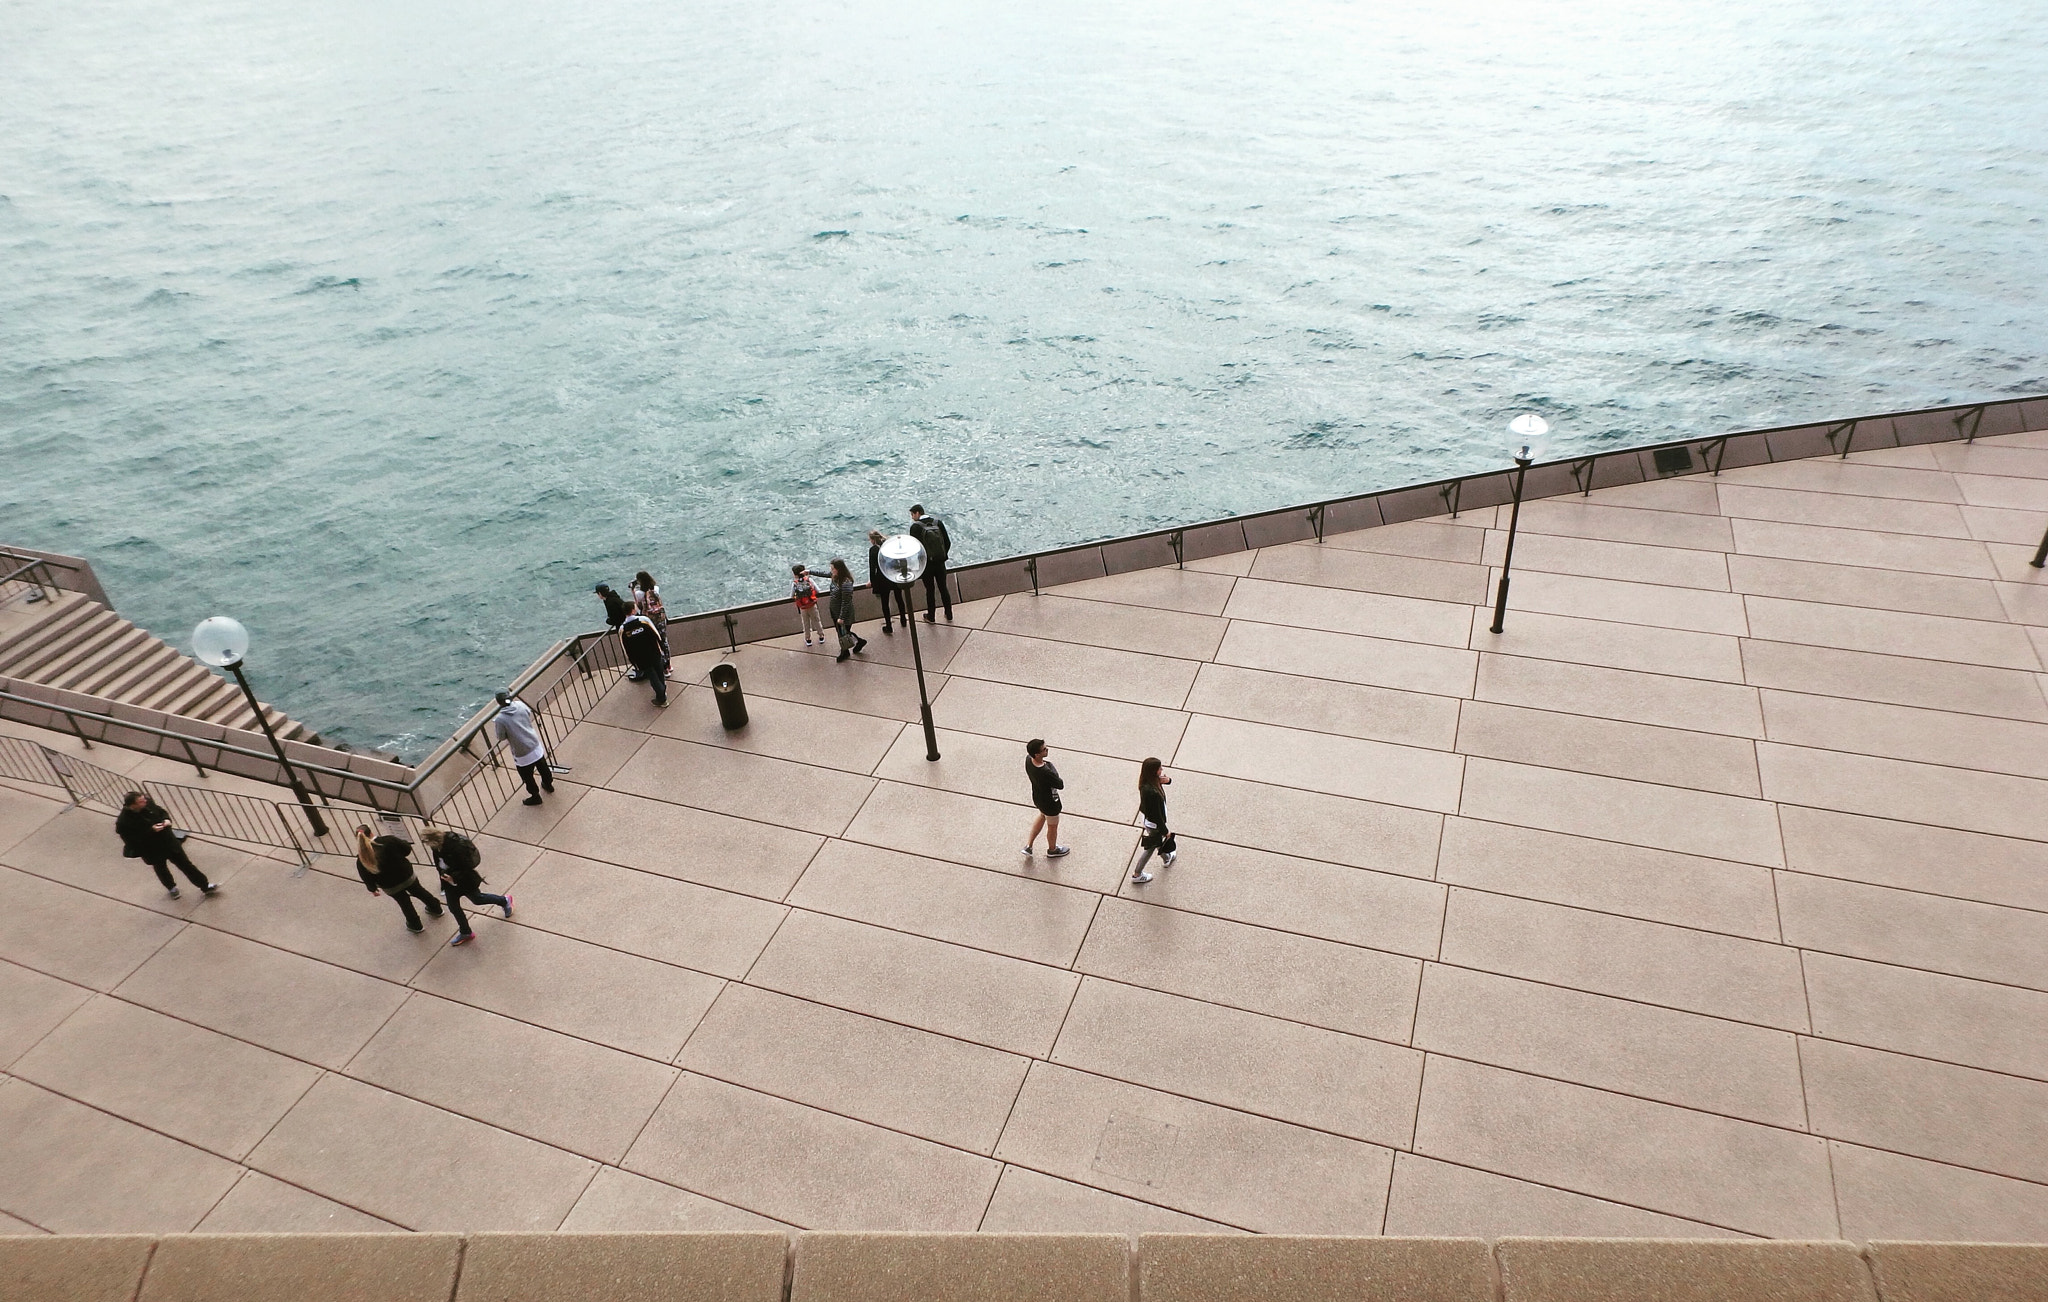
<point x="1450" y="493"/>
<point x="1846" y="431"/>
<point x="1173" y="540"/>
<point x="732" y="632"/>
<point x="1582" y="475"/>
<point x="1031" y="564"/>
<point x="1974" y="415"/>
<point x="1719" y="447"/>
<point x="1315" y="519"/>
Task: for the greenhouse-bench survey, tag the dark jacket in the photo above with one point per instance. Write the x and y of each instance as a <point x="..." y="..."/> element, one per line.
<point x="938" y="544"/>
<point x="1152" y="805"/>
<point x="841" y="606"/>
<point x="616" y="608"/>
<point x="139" y="837"/>
<point x="394" y="865"/>
<point x="642" y="643"/>
<point x="1045" y="785"/>
<point x="876" y="582"/>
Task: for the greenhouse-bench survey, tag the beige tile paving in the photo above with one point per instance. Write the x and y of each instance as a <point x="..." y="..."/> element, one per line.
<point x="1302" y="979"/>
<point x="426" y="1169"/>
<point x="1340" y="1083"/>
<point x="1710" y="892"/>
<point x="189" y="1083"/>
<point x="1734" y="1174"/>
<point x="1000" y="912"/>
<point x="928" y="1085"/>
<point x="1610" y="877"/>
<point x="562" y="1091"/>
<point x="806" y="1167"/>
<point x="1195" y="1157"/>
<point x="986" y="998"/>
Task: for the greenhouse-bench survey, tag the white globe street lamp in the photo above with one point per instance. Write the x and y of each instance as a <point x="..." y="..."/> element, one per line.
<point x="903" y="560"/>
<point x="222" y="642"/>
<point x="1525" y="447"/>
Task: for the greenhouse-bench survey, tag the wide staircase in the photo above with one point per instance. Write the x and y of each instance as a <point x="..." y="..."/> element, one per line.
<point x="68" y="640"/>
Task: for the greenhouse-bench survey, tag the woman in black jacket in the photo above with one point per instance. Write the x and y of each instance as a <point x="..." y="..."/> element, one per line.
<point x="146" y="834"/>
<point x="385" y="865"/>
<point x="1153" y="780"/>
<point x="840" y="607"/>
<point x="883" y="589"/>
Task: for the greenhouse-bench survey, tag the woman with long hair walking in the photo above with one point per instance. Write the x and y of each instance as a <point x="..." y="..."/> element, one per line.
<point x="841" y="607"/>
<point x="1153" y="779"/>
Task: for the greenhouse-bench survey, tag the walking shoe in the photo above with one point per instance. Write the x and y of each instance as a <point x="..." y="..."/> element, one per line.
<point x="414" y="927"/>
<point x="860" y="644"/>
<point x="930" y="619"/>
<point x="843" y="656"/>
<point x="1028" y="852"/>
<point x="1056" y="851"/>
<point x="549" y="788"/>
<point x="174" y="892"/>
<point x="531" y="800"/>
<point x="507" y="906"/>
<point x="463" y="938"/>
<point x="1140" y="878"/>
<point x="949" y="617"/>
<point x="661" y="701"/>
<point x="1169" y="857"/>
<point x="632" y="675"/>
<point x="436" y="911"/>
<point x="210" y="888"/>
<point x="890" y="631"/>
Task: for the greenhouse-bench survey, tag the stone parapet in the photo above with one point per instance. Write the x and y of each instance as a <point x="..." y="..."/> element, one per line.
<point x="895" y="1267"/>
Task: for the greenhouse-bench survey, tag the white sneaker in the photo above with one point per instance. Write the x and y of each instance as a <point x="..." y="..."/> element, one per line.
<point x="1028" y="852"/>
<point x="1139" y="879"/>
<point x="1056" y="851"/>
<point x="1168" y="859"/>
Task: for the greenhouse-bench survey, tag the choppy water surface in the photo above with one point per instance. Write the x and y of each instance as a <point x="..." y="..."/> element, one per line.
<point x="392" y="327"/>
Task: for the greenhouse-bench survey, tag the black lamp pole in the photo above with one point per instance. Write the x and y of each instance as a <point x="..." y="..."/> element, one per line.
<point x="290" y="774"/>
<point x="2040" y="553"/>
<point x="924" y="705"/>
<point x="1500" y="602"/>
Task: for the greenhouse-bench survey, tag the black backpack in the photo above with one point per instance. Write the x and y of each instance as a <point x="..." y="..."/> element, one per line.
<point x="462" y="857"/>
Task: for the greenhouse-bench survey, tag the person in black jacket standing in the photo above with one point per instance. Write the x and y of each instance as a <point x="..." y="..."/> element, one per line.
<point x="1045" y="795"/>
<point x="385" y="865"/>
<point x="938" y="545"/>
<point x="1153" y="780"/>
<point x="880" y="586"/>
<point x="642" y="642"/>
<point x="146" y="834"/>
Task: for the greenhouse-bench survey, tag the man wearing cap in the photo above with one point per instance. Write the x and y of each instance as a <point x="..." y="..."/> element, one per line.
<point x="522" y="738"/>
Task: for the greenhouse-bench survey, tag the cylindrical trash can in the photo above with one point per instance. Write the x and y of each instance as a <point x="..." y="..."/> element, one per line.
<point x="732" y="702"/>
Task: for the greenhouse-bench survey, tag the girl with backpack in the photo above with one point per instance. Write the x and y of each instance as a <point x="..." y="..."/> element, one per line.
<point x="458" y="860"/>
<point x="805" y="593"/>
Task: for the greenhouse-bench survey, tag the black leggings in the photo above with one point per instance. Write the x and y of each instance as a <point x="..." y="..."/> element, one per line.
<point x="185" y="865"/>
<point x="407" y="894"/>
<point x="902" y="599"/>
<point x="477" y="896"/>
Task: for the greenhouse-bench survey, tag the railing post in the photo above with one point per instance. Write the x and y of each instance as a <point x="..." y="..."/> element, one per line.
<point x="292" y="834"/>
<point x="1173" y="540"/>
<point x="1031" y="564"/>
<point x="1315" y="519"/>
<point x="62" y="768"/>
<point x="1582" y="475"/>
<point x="1451" y="492"/>
<point x="197" y="767"/>
<point x="1975" y="415"/>
<point x="1720" y="449"/>
<point x="1846" y="431"/>
<point x="732" y="636"/>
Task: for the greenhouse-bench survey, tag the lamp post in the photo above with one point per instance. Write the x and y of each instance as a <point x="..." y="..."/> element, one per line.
<point x="902" y="559"/>
<point x="222" y="642"/>
<point x="1528" y="431"/>
<point x="2040" y="553"/>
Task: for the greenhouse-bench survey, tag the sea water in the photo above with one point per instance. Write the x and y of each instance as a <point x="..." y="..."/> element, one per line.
<point x="389" y="328"/>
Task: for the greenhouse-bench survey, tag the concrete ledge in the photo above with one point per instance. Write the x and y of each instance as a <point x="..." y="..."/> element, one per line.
<point x="1227" y="1267"/>
<point x="1681" y="1270"/>
<point x="624" y="1268"/>
<point x="1961" y="1272"/>
<point x="303" y="1268"/>
<point x="82" y="1268"/>
<point x="897" y="1267"/>
<point x="962" y="1268"/>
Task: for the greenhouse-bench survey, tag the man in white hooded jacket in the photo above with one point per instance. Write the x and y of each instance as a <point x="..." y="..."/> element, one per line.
<point x="520" y="734"/>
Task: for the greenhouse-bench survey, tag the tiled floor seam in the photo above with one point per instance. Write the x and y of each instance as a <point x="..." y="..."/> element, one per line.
<point x="1909" y="890"/>
<point x="1905" y="759"/>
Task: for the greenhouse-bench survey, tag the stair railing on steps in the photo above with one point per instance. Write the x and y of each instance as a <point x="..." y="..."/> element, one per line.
<point x="29" y="574"/>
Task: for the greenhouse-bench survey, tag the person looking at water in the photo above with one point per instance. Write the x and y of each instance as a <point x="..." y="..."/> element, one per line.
<point x="644" y="650"/>
<point x="647" y="601"/>
<point x="842" y="610"/>
<point x="521" y="736"/>
<point x="938" y="544"/>
<point x="1045" y="794"/>
<point x="804" y="592"/>
<point x="1153" y="780"/>
<point x="880" y="585"/>
<point x="616" y="609"/>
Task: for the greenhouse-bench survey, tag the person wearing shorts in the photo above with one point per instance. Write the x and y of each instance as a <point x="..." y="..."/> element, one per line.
<point x="1045" y="795"/>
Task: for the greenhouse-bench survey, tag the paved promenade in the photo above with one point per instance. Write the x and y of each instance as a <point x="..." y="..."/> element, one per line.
<point x="1710" y="899"/>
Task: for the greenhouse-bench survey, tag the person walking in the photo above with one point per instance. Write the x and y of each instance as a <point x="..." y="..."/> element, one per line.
<point x="616" y="611"/>
<point x="385" y="865"/>
<point x="647" y="601"/>
<point x="881" y="586"/>
<point x="1045" y="794"/>
<point x="146" y="834"/>
<point x="459" y="862"/>
<point x="842" y="610"/>
<point x="521" y="736"/>
<point x="646" y="653"/>
<point x="938" y="545"/>
<point x="1153" y="780"/>
<point x="804" y="592"/>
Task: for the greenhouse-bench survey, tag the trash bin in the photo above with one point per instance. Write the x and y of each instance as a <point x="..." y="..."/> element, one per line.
<point x="732" y="702"/>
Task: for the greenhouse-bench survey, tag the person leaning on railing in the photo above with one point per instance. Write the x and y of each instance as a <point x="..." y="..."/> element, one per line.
<point x="529" y="754"/>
